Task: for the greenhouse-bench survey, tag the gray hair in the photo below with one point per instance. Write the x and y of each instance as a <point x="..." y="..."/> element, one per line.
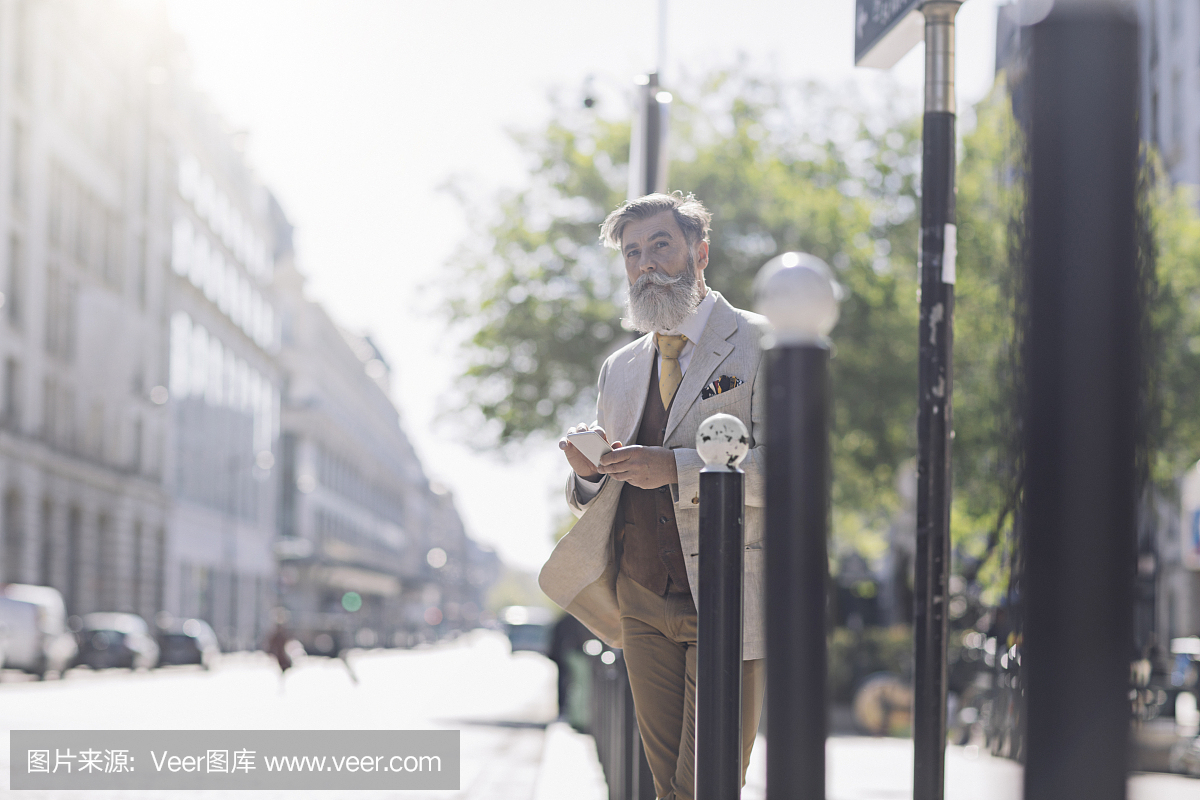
<point x="691" y="215"/>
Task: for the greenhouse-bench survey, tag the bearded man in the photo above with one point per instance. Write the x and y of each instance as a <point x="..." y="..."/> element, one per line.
<point x="629" y="567"/>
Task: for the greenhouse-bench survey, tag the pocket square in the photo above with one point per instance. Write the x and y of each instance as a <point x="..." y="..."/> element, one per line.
<point x="719" y="386"/>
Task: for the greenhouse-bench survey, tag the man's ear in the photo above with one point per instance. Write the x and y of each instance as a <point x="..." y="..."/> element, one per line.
<point x="701" y="255"/>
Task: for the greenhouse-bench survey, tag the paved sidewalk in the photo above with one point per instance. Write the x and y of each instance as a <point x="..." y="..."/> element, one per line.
<point x="858" y="768"/>
<point x="569" y="767"/>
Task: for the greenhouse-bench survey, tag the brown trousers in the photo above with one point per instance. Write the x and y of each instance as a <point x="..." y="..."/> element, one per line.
<point x="659" y="635"/>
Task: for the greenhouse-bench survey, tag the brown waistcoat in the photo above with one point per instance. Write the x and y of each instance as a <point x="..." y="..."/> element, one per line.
<point x="652" y="555"/>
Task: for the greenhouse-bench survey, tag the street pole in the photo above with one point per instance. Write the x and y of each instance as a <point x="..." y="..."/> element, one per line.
<point x="722" y="441"/>
<point x="648" y="145"/>
<point x="1083" y="376"/>
<point x="935" y="388"/>
<point x="797" y="294"/>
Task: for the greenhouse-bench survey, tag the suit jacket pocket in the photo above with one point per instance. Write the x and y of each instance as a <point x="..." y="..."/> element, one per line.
<point x="735" y="395"/>
<point x="735" y="402"/>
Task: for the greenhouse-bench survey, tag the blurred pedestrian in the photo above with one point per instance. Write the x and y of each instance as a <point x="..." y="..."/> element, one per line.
<point x="277" y="642"/>
<point x="344" y="657"/>
<point x="629" y="567"/>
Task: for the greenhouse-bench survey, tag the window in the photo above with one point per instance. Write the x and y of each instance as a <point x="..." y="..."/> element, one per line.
<point x="66" y="417"/>
<point x="139" y="272"/>
<point x="12" y="393"/>
<point x="1177" y="108"/>
<point x="181" y="246"/>
<point x="60" y="315"/>
<point x="15" y="283"/>
<point x="139" y="569"/>
<point x="21" y="40"/>
<point x="14" y="537"/>
<point x="95" y="430"/>
<point x="181" y="349"/>
<point x="112" y="250"/>
<point x="160" y="568"/>
<point x="50" y="410"/>
<point x="46" y="572"/>
<point x="106" y="560"/>
<point x="52" y="312"/>
<point x="75" y="561"/>
<point x="19" y="156"/>
<point x="136" y="460"/>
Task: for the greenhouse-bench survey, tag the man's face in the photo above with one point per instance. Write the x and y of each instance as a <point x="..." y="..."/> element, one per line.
<point x="666" y="281"/>
<point x="658" y="244"/>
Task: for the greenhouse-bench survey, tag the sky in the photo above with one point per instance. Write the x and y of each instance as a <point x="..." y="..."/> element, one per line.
<point x="358" y="112"/>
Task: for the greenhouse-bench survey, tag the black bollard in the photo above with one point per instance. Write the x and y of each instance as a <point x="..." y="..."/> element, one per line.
<point x="797" y="294"/>
<point x="722" y="442"/>
<point x="1082" y="374"/>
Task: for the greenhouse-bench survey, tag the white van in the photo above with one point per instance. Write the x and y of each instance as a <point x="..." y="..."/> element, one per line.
<point x="35" y="622"/>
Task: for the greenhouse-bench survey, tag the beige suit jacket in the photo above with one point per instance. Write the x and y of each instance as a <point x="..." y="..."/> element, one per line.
<point x="580" y="574"/>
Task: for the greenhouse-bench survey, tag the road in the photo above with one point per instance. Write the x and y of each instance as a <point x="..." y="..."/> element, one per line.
<point x="501" y="702"/>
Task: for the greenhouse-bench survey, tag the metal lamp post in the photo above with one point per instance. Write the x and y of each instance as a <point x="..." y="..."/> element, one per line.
<point x="884" y="31"/>
<point x="797" y="294"/>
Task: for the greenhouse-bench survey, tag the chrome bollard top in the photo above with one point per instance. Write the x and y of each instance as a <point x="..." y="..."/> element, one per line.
<point x="797" y="293"/>
<point x="722" y="441"/>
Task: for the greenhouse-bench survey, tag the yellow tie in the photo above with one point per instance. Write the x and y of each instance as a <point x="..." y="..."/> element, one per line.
<point x="670" y="375"/>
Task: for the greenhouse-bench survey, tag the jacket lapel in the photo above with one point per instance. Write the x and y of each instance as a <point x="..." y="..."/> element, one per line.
<point x="710" y="351"/>
<point x="633" y="374"/>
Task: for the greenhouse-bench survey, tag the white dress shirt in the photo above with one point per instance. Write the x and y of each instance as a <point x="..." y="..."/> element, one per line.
<point x="693" y="328"/>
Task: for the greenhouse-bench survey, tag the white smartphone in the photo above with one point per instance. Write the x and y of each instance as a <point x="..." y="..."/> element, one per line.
<point x="591" y="444"/>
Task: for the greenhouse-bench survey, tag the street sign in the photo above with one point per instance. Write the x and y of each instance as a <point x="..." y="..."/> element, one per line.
<point x="885" y="30"/>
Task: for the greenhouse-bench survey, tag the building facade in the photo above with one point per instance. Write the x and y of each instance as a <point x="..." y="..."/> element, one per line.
<point x="1170" y="97"/>
<point x="81" y="342"/>
<point x="373" y="553"/>
<point x="151" y="351"/>
<point x="224" y="377"/>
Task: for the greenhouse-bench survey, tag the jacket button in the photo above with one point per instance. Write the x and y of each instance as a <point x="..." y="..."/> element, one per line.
<point x="695" y="501"/>
<point x="663" y="520"/>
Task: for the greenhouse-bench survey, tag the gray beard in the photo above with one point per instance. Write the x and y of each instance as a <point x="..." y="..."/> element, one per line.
<point x="658" y="302"/>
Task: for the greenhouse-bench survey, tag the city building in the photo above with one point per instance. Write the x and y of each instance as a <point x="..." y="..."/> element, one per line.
<point x="373" y="553"/>
<point x="82" y="366"/>
<point x="224" y="377"/>
<point x="1170" y="96"/>
<point x="176" y="419"/>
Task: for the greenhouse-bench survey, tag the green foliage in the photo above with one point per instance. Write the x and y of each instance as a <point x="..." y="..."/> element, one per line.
<point x="782" y="167"/>
<point x="798" y="167"/>
<point x="986" y="436"/>
<point x="537" y="297"/>
<point x="1174" y="354"/>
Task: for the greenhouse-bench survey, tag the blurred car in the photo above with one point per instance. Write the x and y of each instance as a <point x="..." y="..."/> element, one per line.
<point x="41" y="644"/>
<point x="528" y="627"/>
<point x="114" y="639"/>
<point x="20" y="639"/>
<point x="191" y="641"/>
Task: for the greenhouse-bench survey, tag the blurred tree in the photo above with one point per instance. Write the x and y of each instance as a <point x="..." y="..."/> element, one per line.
<point x="1173" y="350"/>
<point x="801" y="167"/>
<point x="986" y="344"/>
<point x="782" y="167"/>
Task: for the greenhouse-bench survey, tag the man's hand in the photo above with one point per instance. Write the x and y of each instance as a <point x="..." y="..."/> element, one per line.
<point x="644" y="467"/>
<point x="578" y="461"/>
